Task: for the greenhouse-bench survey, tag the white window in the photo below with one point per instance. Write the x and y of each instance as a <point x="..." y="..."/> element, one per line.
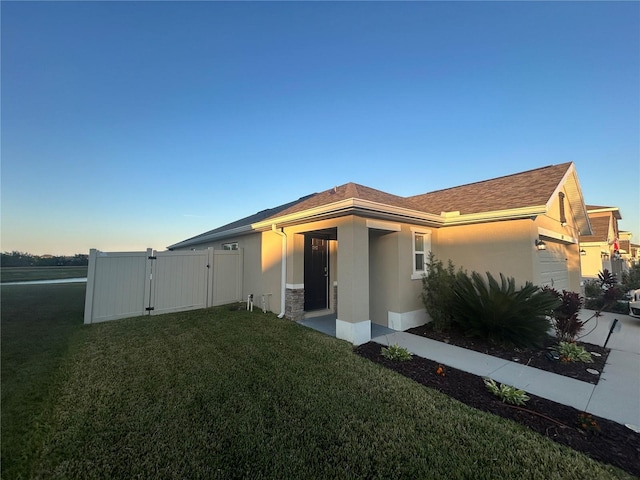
<point x="421" y="248"/>
<point x="230" y="246"/>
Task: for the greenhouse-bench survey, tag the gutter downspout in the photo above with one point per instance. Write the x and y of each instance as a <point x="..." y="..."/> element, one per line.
<point x="283" y="285"/>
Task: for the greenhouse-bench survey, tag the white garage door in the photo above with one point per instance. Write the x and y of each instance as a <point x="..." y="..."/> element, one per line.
<point x="553" y="266"/>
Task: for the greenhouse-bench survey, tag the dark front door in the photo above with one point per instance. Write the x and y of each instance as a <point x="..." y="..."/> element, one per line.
<point x="316" y="273"/>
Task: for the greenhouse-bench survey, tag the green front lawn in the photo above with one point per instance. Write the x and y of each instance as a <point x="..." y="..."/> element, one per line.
<point x="230" y="394"/>
<point x="38" y="325"/>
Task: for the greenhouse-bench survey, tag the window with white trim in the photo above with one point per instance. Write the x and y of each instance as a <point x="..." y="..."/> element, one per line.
<point x="421" y="247"/>
<point x="230" y="246"/>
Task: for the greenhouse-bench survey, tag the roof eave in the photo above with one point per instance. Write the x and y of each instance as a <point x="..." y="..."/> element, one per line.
<point x="615" y="211"/>
<point x="494" y="216"/>
<point x="372" y="209"/>
<point x="351" y="206"/>
<point x="242" y="230"/>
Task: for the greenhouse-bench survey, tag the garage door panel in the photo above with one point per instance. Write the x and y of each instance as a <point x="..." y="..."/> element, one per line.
<point x="553" y="266"/>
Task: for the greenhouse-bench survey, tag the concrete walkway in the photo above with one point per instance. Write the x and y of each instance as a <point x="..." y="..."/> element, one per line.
<point x="616" y="397"/>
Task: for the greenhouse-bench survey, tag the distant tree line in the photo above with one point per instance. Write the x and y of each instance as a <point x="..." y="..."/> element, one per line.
<point x="22" y="259"/>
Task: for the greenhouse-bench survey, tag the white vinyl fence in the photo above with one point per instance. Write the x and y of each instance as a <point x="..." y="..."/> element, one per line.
<point x="130" y="284"/>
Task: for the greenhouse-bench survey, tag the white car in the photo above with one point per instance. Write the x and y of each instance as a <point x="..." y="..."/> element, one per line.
<point x="634" y="303"/>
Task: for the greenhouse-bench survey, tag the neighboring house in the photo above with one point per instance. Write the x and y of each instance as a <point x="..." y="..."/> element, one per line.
<point x="628" y="251"/>
<point x="360" y="253"/>
<point x="634" y="254"/>
<point x="603" y="248"/>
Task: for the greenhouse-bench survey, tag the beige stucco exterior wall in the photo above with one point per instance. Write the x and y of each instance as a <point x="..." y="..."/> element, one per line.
<point x="384" y="281"/>
<point x="268" y="270"/>
<point x="393" y="290"/>
<point x="353" y="276"/>
<point x="508" y="247"/>
<point x="592" y="262"/>
<point x="498" y="247"/>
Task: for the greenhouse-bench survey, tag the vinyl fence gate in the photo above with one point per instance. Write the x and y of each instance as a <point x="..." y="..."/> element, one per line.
<point x="130" y="284"/>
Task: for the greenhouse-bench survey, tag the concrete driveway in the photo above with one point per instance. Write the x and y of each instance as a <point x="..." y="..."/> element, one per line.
<point x="617" y="395"/>
<point x="597" y="329"/>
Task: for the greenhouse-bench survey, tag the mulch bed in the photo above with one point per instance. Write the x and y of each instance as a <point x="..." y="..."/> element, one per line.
<point x="532" y="357"/>
<point x="611" y="443"/>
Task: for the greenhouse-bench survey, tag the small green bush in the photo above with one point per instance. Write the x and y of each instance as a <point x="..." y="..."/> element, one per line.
<point x="619" y="307"/>
<point x="437" y="292"/>
<point x="631" y="279"/>
<point x="396" y="353"/>
<point x="605" y="293"/>
<point x="593" y="304"/>
<point x="498" y="312"/>
<point x="571" y="352"/>
<point x="506" y="393"/>
<point x="592" y="289"/>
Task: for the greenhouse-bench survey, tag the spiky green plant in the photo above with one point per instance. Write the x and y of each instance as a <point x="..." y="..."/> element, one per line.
<point x="506" y="393"/>
<point x="396" y="352"/>
<point x="571" y="352"/>
<point x="498" y="312"/>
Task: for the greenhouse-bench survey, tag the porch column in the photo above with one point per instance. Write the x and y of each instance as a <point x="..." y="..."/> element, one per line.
<point x="353" y="323"/>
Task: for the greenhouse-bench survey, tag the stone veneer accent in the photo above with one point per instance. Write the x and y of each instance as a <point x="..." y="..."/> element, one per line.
<point x="335" y="299"/>
<point x="294" y="303"/>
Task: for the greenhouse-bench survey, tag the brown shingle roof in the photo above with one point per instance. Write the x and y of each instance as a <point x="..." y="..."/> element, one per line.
<point x="526" y="189"/>
<point x="345" y="192"/>
<point x="600" y="228"/>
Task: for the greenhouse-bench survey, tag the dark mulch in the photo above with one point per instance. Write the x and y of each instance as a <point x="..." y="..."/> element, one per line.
<point x="614" y="443"/>
<point x="533" y="357"/>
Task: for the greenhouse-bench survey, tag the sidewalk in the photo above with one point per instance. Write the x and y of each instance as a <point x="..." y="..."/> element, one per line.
<point x="616" y="397"/>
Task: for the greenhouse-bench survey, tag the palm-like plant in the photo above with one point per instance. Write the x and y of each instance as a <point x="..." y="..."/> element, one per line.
<point x="499" y="312"/>
<point x="565" y="316"/>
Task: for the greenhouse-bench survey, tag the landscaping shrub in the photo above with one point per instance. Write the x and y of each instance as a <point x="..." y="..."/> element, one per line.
<point x="631" y="279"/>
<point x="592" y="289"/>
<point x="396" y="353"/>
<point x="565" y="315"/>
<point x="611" y="292"/>
<point x="572" y="352"/>
<point x="499" y="312"/>
<point x="437" y="291"/>
<point x="506" y="393"/>
<point x="605" y="294"/>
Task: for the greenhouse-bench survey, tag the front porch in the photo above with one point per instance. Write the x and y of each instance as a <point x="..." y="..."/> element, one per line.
<point x="351" y="278"/>
<point x="327" y="324"/>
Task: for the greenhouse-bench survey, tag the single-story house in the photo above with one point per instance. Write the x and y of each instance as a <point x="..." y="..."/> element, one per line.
<point x="603" y="248"/>
<point x="360" y="253"/>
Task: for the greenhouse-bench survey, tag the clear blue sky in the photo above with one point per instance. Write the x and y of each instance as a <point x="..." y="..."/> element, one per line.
<point x="128" y="125"/>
